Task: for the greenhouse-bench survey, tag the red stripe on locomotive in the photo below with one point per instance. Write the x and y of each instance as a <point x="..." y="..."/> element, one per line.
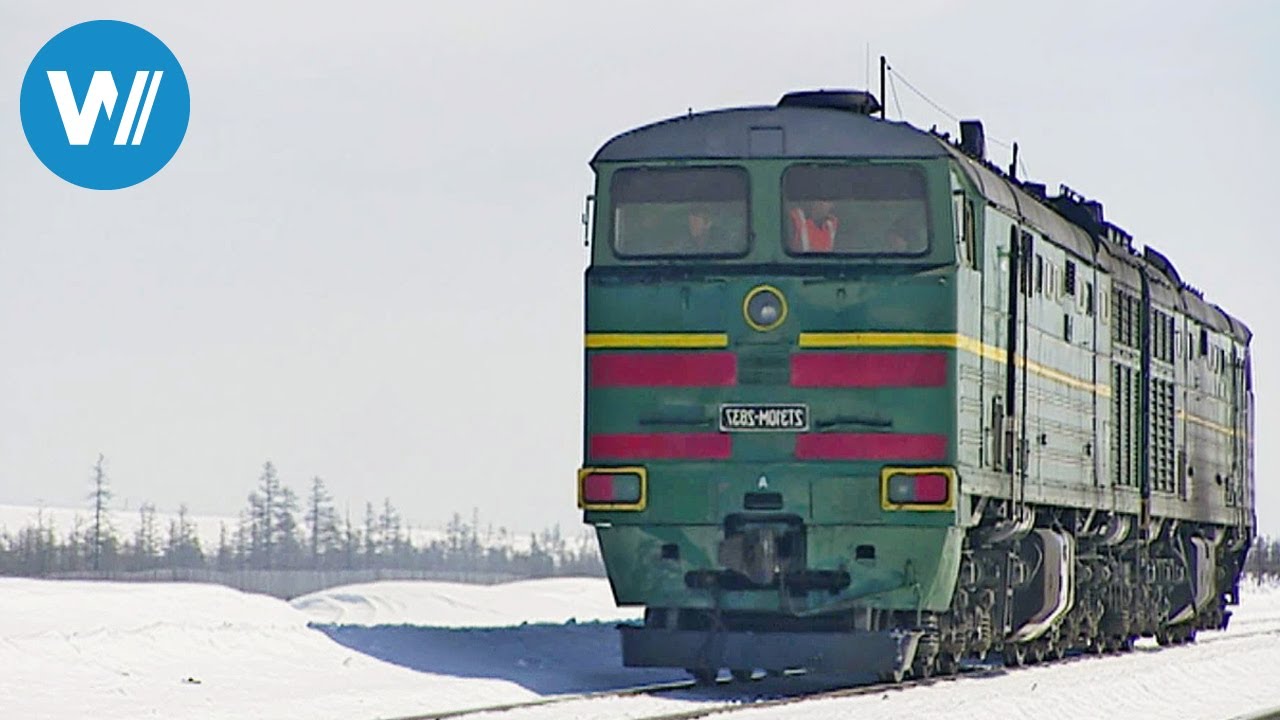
<point x="869" y="369"/>
<point x="661" y="446"/>
<point x="871" y="446"/>
<point x="685" y="369"/>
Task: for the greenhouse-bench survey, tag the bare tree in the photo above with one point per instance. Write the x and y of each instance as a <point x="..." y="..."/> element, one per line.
<point x="184" y="542"/>
<point x="99" y="496"/>
<point x="389" y="528"/>
<point x="264" y="515"/>
<point x="285" y="527"/>
<point x="146" y="541"/>
<point x="225" y="555"/>
<point x="371" y="538"/>
<point x="322" y="520"/>
<point x="350" y="543"/>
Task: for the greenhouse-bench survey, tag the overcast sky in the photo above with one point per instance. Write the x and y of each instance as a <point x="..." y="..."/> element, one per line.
<point x="365" y="262"/>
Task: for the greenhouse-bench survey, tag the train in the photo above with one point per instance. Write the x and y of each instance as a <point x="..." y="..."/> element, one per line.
<point x="860" y="401"/>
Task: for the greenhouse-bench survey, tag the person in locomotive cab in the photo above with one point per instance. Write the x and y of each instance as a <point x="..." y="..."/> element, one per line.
<point x="813" y="226"/>
<point x="705" y="233"/>
<point x="905" y="235"/>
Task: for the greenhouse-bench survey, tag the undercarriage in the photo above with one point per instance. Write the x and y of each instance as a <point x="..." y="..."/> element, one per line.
<point x="1031" y="587"/>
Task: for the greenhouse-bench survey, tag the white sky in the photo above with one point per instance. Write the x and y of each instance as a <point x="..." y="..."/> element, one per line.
<point x="365" y="261"/>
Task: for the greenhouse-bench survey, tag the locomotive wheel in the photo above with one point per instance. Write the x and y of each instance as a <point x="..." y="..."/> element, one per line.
<point x="1036" y="652"/>
<point x="948" y="664"/>
<point x="922" y="668"/>
<point x="1015" y="655"/>
<point x="1057" y="649"/>
<point x="703" y="676"/>
<point x="893" y="676"/>
<point x="741" y="675"/>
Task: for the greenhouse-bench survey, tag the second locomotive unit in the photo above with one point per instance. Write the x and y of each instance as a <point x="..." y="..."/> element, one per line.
<point x="859" y="401"/>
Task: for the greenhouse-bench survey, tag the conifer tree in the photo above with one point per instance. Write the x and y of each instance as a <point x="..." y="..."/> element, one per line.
<point x="146" y="541"/>
<point x="99" y="496"/>
<point x="322" y="521"/>
<point x="285" y="527"/>
<point x="264" y="514"/>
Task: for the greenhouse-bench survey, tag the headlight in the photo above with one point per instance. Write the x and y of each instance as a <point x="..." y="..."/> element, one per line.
<point x="917" y="488"/>
<point x="612" y="488"/>
<point x="764" y="308"/>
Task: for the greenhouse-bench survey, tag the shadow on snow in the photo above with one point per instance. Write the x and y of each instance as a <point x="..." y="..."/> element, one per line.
<point x="546" y="659"/>
<point x="550" y="659"/>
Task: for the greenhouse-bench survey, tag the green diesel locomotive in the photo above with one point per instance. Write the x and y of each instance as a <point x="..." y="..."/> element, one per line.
<point x="859" y="401"/>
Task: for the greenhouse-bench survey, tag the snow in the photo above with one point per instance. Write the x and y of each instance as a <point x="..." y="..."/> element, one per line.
<point x="450" y="605"/>
<point x="1223" y="675"/>
<point x="394" y="649"/>
<point x="76" y="650"/>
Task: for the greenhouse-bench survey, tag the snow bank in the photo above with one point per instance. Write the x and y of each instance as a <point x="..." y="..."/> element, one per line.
<point x="450" y="605"/>
<point x="125" y="651"/>
<point x="70" y="650"/>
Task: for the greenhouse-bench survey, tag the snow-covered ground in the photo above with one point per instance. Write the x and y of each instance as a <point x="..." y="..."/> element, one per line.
<point x="451" y="605"/>
<point x="1224" y="675"/>
<point x="116" y="651"/>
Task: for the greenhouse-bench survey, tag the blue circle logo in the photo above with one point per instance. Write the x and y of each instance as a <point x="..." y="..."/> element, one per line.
<point x="105" y="105"/>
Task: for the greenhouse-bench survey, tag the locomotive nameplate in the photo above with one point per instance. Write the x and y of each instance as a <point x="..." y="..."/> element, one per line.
<point x="768" y="417"/>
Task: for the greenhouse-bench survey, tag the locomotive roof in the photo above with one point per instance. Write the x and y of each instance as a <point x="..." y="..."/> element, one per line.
<point x="770" y="131"/>
<point x="797" y="131"/>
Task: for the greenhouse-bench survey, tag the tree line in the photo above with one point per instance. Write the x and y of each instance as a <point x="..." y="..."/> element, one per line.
<point x="278" y="530"/>
<point x="1263" y="561"/>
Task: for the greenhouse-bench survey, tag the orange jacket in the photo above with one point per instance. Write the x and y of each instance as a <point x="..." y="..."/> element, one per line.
<point x="809" y="236"/>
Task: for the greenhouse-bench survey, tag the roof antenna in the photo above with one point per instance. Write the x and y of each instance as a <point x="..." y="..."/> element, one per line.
<point x="1013" y="165"/>
<point x="883" y="66"/>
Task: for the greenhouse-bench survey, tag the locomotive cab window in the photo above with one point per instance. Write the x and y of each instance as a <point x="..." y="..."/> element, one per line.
<point x="680" y="212"/>
<point x="854" y="210"/>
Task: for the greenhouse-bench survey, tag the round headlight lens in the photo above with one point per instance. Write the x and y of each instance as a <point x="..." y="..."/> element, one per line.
<point x="765" y="308"/>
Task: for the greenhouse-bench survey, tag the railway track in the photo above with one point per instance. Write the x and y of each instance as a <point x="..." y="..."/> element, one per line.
<point x="728" y="695"/>
<point x="842" y="692"/>
<point x="554" y="700"/>
<point x="1270" y="714"/>
<point x="724" y="696"/>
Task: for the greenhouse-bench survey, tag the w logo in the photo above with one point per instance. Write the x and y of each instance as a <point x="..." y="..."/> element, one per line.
<point x="80" y="121"/>
<point x="78" y="118"/>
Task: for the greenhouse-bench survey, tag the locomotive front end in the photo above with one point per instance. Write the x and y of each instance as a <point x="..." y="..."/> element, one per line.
<point x="771" y="361"/>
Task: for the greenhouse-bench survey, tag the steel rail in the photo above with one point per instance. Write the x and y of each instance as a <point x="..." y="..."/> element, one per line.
<point x="1271" y="714"/>
<point x="782" y="697"/>
<point x="553" y="700"/>
<point x="879" y="687"/>
<point x="767" y="700"/>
